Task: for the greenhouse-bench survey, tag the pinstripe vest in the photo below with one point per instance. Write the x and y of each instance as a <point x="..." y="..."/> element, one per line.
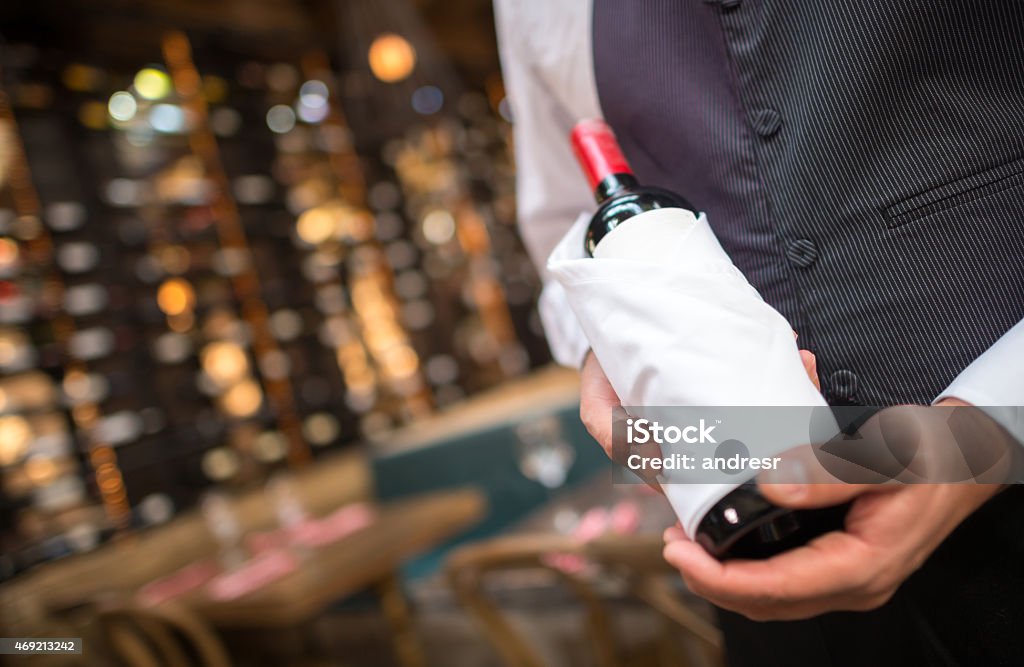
<point x="862" y="161"/>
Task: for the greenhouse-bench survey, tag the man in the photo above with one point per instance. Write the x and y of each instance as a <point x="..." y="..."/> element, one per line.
<point x="863" y="164"/>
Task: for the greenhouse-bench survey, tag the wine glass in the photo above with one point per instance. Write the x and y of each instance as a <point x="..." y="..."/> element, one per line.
<point x="545" y="456"/>
<point x="223" y="523"/>
<point x="291" y="514"/>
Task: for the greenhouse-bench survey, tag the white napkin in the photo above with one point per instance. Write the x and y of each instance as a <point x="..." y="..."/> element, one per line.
<point x="687" y="330"/>
<point x="674" y="322"/>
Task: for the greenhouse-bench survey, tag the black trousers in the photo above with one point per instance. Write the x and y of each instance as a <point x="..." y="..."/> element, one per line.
<point x="964" y="607"/>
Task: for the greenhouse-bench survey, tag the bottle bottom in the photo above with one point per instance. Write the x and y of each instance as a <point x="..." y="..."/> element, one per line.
<point x="745" y="525"/>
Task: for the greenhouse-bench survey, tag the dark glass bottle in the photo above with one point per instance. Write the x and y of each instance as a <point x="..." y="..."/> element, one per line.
<point x="743" y="524"/>
<point x="615" y="187"/>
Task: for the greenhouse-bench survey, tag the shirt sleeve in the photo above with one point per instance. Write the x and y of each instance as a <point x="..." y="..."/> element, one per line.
<point x="995" y="382"/>
<point x="550" y="190"/>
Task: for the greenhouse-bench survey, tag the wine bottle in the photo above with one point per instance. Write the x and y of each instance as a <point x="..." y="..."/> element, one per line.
<point x="620" y="195"/>
<point x="652" y="224"/>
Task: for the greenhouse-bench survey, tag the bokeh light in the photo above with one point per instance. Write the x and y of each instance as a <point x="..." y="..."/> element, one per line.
<point x="225" y="122"/>
<point x="316" y="225"/>
<point x="243" y="399"/>
<point x="15" y="436"/>
<point x="392" y="58"/>
<point x="313" y="94"/>
<point x="8" y="254"/>
<point x="311" y="114"/>
<point x="122" y="106"/>
<point x="152" y="84"/>
<point x="13" y="345"/>
<point x="220" y="464"/>
<point x="281" y="118"/>
<point x="81" y="78"/>
<point x="427" y="100"/>
<point x="156" y="508"/>
<point x="93" y="115"/>
<point x="321" y="429"/>
<point x="225" y="363"/>
<point x="167" y="118"/>
<point x="438" y="226"/>
<point x="269" y="446"/>
<point x="41" y="470"/>
<point x="215" y="88"/>
<point x="175" y="296"/>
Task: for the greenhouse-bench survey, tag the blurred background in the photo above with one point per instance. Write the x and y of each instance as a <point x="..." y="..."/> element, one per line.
<point x="272" y="385"/>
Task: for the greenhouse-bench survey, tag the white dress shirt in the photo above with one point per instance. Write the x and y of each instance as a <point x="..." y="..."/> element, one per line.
<point x="547" y="61"/>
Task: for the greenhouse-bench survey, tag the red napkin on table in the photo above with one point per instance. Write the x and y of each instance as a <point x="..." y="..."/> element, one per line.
<point x="178" y="583"/>
<point x="316" y="532"/>
<point x="255" y="573"/>
<point x="622" y="519"/>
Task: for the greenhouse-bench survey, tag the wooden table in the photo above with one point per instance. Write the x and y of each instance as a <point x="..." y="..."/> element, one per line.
<point x="655" y="513"/>
<point x="368" y="558"/>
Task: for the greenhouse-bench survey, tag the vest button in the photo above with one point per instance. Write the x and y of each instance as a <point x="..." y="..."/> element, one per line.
<point x="802" y="253"/>
<point x="842" y="385"/>
<point x="767" y="122"/>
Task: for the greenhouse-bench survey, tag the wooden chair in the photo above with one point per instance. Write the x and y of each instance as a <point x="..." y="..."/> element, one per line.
<point x="167" y="635"/>
<point x="637" y="559"/>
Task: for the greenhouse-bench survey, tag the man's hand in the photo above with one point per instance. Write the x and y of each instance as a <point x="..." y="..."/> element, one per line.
<point x="889" y="534"/>
<point x="597" y="401"/>
<point x="890" y="531"/>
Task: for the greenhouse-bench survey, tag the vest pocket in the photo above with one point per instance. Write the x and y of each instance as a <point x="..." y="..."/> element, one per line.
<point x="948" y="196"/>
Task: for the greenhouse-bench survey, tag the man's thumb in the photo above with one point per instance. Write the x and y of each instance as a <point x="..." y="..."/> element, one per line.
<point x="800" y="481"/>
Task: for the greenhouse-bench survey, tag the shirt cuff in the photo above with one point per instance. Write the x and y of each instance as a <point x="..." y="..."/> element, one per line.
<point x="995" y="382"/>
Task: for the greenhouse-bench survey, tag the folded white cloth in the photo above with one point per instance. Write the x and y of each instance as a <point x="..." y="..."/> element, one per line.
<point x="681" y="326"/>
<point x="674" y="322"/>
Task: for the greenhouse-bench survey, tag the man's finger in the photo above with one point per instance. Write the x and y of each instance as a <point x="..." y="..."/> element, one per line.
<point x="800" y="480"/>
<point x="692" y="561"/>
<point x="597" y="403"/>
<point x="806" y="496"/>
<point x="811" y="366"/>
<point x="600" y="428"/>
<point x="674" y="533"/>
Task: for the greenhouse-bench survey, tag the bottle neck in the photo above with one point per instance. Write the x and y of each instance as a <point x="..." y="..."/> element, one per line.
<point x="613" y="184"/>
<point x="601" y="158"/>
